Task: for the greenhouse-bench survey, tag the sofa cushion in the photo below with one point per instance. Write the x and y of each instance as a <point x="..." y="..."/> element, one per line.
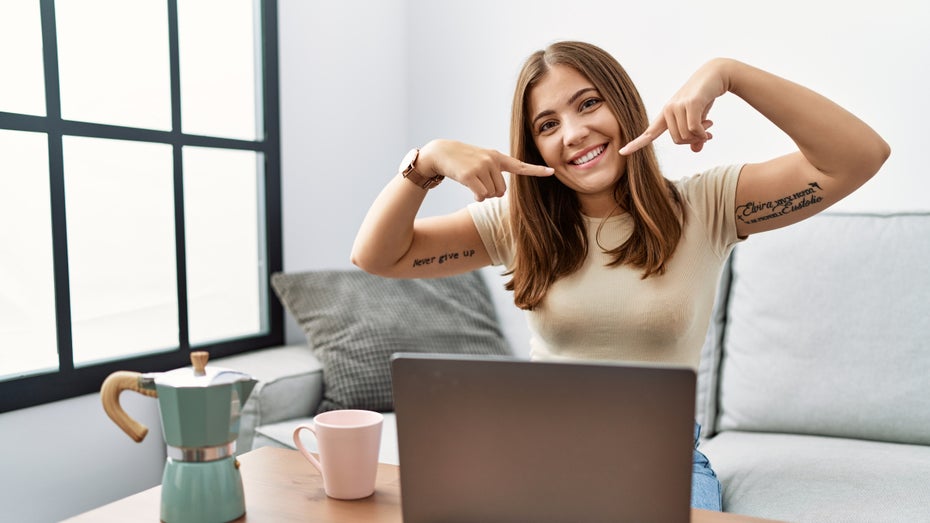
<point x="828" y="330"/>
<point x="355" y="321"/>
<point x="820" y="479"/>
<point x="290" y="385"/>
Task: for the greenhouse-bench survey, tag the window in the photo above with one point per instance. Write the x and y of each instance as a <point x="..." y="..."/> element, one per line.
<point x="139" y="188"/>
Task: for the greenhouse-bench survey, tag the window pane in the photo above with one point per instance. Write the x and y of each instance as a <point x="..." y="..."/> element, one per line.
<point x="121" y="247"/>
<point x="219" y="50"/>
<point x="28" y="340"/>
<point x="22" y="89"/>
<point x="225" y="265"/>
<point x="113" y="62"/>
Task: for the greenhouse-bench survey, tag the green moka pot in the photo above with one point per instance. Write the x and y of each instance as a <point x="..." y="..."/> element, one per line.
<point x="200" y="408"/>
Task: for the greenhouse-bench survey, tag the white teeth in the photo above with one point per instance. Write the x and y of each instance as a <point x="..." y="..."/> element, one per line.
<point x="590" y="156"/>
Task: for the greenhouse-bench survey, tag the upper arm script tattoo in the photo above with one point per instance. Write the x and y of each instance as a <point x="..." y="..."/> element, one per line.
<point x="752" y="212"/>
<point x="443" y="258"/>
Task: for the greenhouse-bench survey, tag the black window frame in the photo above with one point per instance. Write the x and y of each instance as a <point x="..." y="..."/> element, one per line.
<point x="69" y="381"/>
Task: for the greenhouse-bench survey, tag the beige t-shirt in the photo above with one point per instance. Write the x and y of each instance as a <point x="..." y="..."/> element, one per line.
<point x="611" y="313"/>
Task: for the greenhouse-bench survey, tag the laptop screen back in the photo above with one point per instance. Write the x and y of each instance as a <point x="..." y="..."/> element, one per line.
<point x="493" y="439"/>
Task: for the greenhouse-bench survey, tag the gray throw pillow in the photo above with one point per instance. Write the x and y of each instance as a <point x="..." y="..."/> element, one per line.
<point x="355" y="321"/>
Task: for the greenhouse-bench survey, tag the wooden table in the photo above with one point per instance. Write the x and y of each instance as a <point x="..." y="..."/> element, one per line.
<point x="281" y="486"/>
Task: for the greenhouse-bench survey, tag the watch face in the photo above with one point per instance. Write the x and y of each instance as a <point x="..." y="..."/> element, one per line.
<point x="408" y="160"/>
<point x="408" y="171"/>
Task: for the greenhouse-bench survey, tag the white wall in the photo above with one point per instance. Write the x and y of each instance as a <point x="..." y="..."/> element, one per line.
<point x="363" y="81"/>
<point x="343" y="118"/>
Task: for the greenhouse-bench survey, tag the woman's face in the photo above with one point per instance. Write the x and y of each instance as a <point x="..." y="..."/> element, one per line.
<point x="578" y="136"/>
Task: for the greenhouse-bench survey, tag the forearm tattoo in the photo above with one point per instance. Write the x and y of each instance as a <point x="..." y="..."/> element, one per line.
<point x="443" y="258"/>
<point x="752" y="212"/>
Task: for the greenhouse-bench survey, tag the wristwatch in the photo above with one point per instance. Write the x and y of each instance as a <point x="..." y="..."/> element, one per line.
<point x="409" y="172"/>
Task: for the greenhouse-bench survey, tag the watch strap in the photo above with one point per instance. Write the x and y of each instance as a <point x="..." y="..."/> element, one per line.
<point x="409" y="172"/>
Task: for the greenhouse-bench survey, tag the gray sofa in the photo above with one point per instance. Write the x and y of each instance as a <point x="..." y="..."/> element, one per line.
<point x="814" y="387"/>
<point x="815" y="379"/>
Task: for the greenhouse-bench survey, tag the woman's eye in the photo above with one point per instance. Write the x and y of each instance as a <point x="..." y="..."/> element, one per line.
<point x="546" y="126"/>
<point x="590" y="102"/>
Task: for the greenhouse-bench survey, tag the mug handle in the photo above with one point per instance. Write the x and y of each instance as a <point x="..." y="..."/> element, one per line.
<point x="300" y="446"/>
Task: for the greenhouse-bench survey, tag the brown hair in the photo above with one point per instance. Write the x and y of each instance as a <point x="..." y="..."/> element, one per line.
<point x="548" y="228"/>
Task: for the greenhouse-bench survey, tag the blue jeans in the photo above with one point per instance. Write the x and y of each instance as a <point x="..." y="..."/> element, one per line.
<point x="706" y="492"/>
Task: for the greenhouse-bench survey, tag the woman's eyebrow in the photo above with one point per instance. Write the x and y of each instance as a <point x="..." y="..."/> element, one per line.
<point x="574" y="97"/>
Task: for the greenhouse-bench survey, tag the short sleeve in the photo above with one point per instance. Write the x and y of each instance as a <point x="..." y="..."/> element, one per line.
<point x="492" y="219"/>
<point x="711" y="196"/>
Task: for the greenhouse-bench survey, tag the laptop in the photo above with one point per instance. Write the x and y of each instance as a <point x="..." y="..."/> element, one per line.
<point x="494" y="439"/>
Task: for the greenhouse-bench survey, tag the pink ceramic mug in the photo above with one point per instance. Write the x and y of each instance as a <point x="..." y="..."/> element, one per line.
<point x="348" y="442"/>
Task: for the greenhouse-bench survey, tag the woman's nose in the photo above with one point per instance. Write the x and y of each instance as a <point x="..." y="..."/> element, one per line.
<point x="574" y="132"/>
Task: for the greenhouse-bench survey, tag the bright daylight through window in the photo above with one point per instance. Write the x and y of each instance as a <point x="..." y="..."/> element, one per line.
<point x="139" y="188"/>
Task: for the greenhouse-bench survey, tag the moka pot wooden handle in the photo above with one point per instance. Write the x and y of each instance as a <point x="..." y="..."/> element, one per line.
<point x="109" y="395"/>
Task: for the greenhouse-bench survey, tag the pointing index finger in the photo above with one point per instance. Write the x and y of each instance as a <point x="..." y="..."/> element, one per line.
<point x="655" y="130"/>
<point x="514" y="166"/>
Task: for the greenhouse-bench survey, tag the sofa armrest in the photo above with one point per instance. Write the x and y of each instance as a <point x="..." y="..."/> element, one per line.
<point x="290" y="385"/>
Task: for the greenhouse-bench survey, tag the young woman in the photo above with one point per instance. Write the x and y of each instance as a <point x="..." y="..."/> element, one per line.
<point x="610" y="259"/>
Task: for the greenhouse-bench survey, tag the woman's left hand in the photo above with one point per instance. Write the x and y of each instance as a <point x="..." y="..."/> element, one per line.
<point x="837" y="152"/>
<point x="685" y="115"/>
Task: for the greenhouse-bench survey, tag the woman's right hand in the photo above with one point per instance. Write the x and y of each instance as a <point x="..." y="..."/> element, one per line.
<point x="392" y="242"/>
<point x="481" y="170"/>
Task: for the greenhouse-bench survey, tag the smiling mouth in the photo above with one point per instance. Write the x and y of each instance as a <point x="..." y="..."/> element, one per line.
<point x="590" y="156"/>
